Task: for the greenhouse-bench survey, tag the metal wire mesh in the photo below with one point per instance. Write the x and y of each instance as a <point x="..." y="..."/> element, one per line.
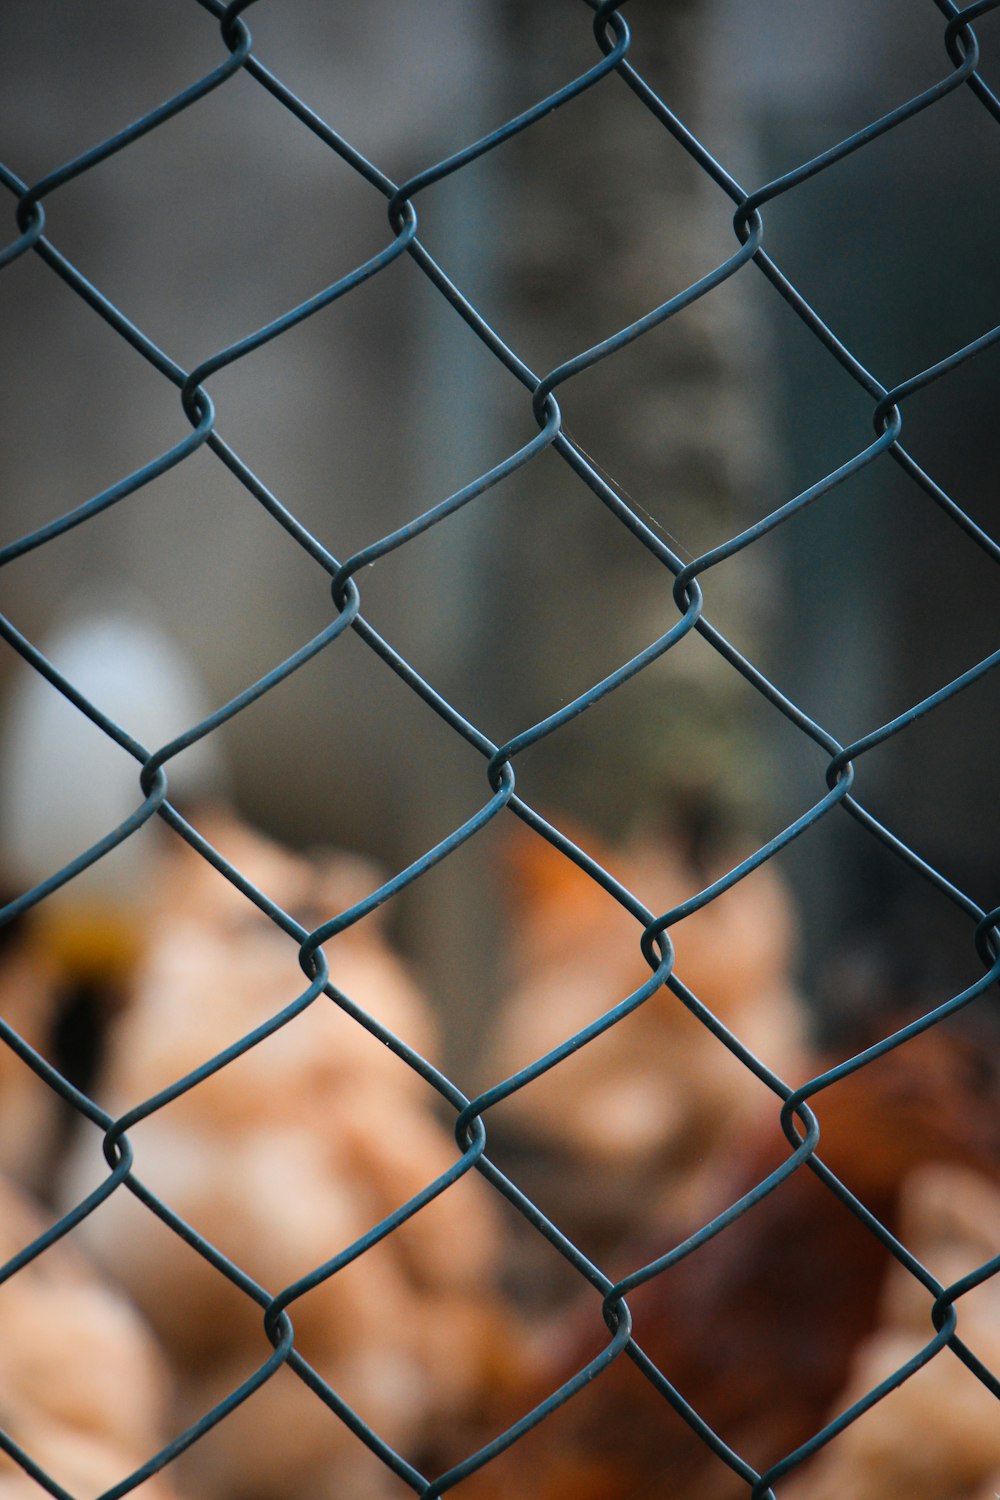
<point x="800" y="1108"/>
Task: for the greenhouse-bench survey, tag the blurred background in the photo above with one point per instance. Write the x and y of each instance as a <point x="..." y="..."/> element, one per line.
<point x="163" y="607"/>
<point x="378" y="407"/>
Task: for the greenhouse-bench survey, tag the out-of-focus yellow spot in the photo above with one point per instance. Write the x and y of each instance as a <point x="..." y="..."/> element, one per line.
<point x="90" y="942"/>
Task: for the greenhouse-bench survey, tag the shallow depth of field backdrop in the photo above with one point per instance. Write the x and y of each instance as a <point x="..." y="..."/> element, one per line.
<point x="368" y="413"/>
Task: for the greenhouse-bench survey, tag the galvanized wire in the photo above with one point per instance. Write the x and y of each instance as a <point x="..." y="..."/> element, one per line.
<point x="836" y="794"/>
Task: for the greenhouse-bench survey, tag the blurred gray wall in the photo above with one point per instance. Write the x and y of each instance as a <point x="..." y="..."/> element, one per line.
<point x="381" y="405"/>
<point x="887" y="600"/>
<point x="384" y="403"/>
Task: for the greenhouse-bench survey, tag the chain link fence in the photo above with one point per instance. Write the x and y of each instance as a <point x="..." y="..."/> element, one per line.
<point x="688" y="628"/>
